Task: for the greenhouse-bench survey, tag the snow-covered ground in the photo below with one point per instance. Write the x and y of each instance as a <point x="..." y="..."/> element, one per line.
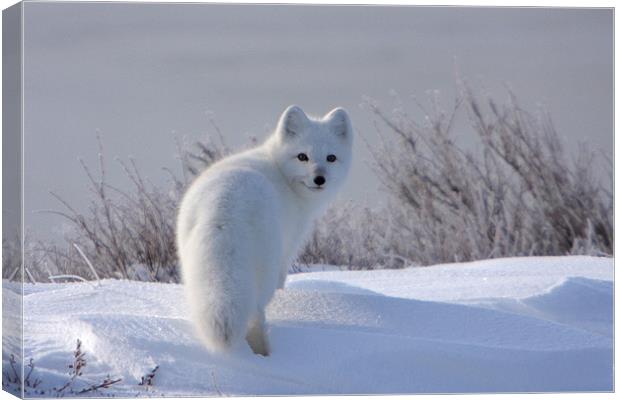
<point x="506" y="325"/>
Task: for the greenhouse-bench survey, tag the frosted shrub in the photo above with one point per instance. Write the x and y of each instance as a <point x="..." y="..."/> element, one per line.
<point x="350" y="236"/>
<point x="516" y="196"/>
<point x="127" y="234"/>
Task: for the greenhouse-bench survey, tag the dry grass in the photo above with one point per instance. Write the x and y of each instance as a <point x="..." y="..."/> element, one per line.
<point x="34" y="386"/>
<point x="518" y="194"/>
<point x="127" y="234"/>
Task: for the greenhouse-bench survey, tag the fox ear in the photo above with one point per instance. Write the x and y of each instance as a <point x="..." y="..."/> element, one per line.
<point x="340" y="123"/>
<point x="292" y="122"/>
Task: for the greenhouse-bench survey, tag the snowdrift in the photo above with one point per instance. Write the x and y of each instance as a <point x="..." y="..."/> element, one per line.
<point x="506" y="325"/>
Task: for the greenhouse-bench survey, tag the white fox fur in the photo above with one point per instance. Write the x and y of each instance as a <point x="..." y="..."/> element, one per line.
<point x="243" y="221"/>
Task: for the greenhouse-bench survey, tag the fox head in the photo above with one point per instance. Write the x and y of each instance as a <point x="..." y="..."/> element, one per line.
<point x="313" y="154"/>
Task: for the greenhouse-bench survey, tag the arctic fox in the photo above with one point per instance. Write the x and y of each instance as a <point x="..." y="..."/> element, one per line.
<point x="242" y="222"/>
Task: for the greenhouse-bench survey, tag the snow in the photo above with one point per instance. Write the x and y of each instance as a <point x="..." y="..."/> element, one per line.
<point x="505" y="325"/>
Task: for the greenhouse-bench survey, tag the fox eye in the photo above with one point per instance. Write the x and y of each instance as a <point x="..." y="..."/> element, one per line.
<point x="302" y="157"/>
<point x="331" y="158"/>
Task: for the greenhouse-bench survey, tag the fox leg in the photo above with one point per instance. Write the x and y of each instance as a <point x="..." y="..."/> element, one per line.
<point x="257" y="335"/>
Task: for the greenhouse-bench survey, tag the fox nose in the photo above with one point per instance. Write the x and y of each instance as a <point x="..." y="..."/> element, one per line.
<point x="319" y="180"/>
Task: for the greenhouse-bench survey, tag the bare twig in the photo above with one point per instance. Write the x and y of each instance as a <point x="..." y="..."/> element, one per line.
<point x="103" y="385"/>
<point x="149" y="378"/>
<point x="90" y="265"/>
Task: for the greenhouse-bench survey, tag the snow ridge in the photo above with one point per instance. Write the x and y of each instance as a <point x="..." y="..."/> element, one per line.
<point x="342" y="332"/>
